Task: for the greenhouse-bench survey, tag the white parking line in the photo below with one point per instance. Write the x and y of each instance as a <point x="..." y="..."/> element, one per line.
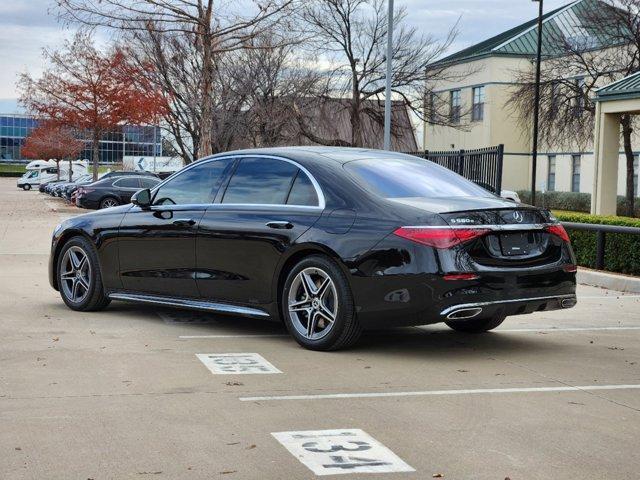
<point x="564" y="329"/>
<point x="236" y="336"/>
<point x="440" y="392"/>
<point x="607" y="297"/>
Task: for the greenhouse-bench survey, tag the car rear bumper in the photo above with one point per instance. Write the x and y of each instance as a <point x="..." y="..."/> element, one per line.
<point x="83" y="202"/>
<point x="514" y="306"/>
<point x="421" y="299"/>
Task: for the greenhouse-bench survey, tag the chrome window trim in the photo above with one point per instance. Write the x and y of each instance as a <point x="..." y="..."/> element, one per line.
<point x="321" y="199"/>
<point x="460" y="306"/>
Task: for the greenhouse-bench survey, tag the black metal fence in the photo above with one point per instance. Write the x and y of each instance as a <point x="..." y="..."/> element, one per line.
<point x="482" y="166"/>
<point x="601" y="230"/>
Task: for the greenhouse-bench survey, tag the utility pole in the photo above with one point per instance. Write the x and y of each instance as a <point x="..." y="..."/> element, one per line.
<point x="536" y="106"/>
<point x="387" y="89"/>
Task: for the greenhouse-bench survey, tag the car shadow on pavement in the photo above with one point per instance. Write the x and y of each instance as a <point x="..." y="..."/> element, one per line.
<point x="433" y="340"/>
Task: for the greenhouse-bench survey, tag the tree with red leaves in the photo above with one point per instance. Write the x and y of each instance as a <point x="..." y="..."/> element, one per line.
<point x="50" y="141"/>
<point x="96" y="92"/>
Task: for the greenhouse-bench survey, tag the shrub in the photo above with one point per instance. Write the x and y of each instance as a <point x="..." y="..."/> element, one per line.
<point x="573" y="201"/>
<point x="622" y="250"/>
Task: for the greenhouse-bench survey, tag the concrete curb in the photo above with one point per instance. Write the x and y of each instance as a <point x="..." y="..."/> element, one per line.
<point x="612" y="281"/>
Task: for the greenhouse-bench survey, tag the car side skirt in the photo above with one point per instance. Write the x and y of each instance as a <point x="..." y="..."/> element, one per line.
<point x="188" y="303"/>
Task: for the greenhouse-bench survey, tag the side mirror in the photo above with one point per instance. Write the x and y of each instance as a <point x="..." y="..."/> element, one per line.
<point x="142" y="198"/>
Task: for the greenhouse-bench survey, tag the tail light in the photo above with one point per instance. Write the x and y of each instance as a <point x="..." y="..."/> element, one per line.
<point x="440" y="237"/>
<point x="559" y="231"/>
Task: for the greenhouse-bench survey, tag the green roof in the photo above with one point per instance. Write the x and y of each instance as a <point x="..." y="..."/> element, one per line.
<point x="627" y="87"/>
<point x="570" y="23"/>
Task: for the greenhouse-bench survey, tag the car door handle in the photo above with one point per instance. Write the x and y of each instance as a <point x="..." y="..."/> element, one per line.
<point x="284" y="225"/>
<point x="184" y="222"/>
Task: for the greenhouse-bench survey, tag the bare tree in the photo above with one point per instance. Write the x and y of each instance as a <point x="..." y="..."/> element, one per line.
<point x="607" y="49"/>
<point x="210" y="29"/>
<point x="275" y="83"/>
<point x="352" y="36"/>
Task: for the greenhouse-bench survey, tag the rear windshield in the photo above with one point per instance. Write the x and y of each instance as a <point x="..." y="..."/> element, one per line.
<point x="405" y="178"/>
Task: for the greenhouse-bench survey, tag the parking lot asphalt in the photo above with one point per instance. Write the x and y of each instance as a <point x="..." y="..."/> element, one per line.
<point x="122" y="393"/>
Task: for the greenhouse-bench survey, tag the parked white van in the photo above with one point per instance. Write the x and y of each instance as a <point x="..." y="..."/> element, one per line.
<point x="43" y="171"/>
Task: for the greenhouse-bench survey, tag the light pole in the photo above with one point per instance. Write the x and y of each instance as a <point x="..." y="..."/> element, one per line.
<point x="536" y="106"/>
<point x="387" y="88"/>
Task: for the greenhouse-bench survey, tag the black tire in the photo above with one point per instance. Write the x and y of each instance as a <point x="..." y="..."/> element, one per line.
<point x="26" y="187"/>
<point x="95" y="298"/>
<point x="345" y="330"/>
<point x="476" y="325"/>
<point x="106" y="200"/>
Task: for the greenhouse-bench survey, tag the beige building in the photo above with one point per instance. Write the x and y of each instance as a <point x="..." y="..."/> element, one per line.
<point x="486" y="75"/>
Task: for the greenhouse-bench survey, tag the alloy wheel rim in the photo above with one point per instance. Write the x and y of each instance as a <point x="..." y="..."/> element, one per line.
<point x="75" y="275"/>
<point x="313" y="303"/>
<point x="109" y="203"/>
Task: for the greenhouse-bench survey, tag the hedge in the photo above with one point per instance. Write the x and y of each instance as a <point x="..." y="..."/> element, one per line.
<point x="622" y="251"/>
<point x="573" y="201"/>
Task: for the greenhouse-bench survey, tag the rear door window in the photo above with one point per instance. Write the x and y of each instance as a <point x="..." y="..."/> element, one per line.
<point x="128" y="182"/>
<point x="302" y="192"/>
<point x="260" y="181"/>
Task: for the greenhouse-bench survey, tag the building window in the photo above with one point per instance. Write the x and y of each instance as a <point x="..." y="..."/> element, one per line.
<point x="477" y="113"/>
<point x="454" y="106"/>
<point x="575" y="173"/>
<point x="636" y="172"/>
<point x="551" y="174"/>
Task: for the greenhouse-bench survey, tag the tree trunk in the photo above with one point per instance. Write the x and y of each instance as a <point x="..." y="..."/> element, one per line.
<point x="57" y="169"/>
<point x="206" y="91"/>
<point x="95" y="148"/>
<point x="627" y="130"/>
<point x="70" y="169"/>
<point x="356" y="123"/>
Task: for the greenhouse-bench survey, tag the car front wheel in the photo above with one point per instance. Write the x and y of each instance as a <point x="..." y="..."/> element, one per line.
<point x="26" y="187"/>
<point x="317" y="305"/>
<point x="79" y="278"/>
<point x="476" y="325"/>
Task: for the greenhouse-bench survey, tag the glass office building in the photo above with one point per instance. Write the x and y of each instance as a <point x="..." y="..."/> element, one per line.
<point x="127" y="140"/>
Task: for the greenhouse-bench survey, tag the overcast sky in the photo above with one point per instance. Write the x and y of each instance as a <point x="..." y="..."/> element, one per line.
<point x="27" y="26"/>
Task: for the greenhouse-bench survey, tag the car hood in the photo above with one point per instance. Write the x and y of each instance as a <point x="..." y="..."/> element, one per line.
<point x="457" y="204"/>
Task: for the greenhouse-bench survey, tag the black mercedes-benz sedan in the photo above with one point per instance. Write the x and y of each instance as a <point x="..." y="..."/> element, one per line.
<point x="329" y="240"/>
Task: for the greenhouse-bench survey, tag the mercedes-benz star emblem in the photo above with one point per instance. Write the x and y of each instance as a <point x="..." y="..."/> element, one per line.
<point x="517" y="216"/>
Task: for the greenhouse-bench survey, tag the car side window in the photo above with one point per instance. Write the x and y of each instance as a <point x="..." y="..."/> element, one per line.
<point x="148" y="182"/>
<point x="197" y="185"/>
<point x="127" y="183"/>
<point x="260" y="181"/>
<point x="302" y="191"/>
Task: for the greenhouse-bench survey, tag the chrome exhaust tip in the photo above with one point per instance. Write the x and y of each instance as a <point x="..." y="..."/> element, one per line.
<point x="464" y="313"/>
<point x="568" y="302"/>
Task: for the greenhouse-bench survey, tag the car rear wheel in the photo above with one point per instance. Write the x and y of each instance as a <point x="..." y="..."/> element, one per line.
<point x="476" y="325"/>
<point x="317" y="305"/>
<point x="109" y="202"/>
<point x="79" y="278"/>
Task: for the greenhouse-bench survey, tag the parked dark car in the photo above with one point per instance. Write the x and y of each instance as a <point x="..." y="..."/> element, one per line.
<point x="330" y="240"/>
<point x="46" y="186"/>
<point x="125" y="173"/>
<point x="68" y="188"/>
<point x="112" y="191"/>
